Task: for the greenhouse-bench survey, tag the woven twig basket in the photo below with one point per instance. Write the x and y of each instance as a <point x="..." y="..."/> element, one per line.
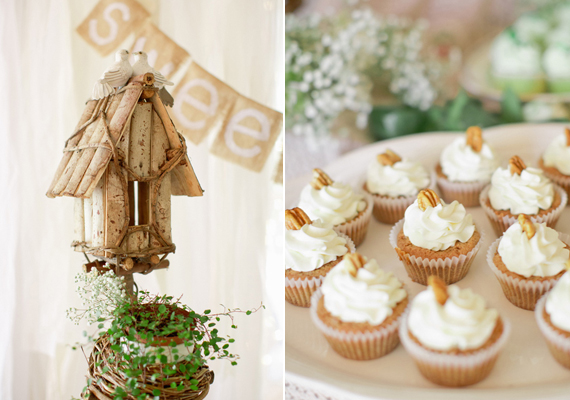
<point x="103" y="384"/>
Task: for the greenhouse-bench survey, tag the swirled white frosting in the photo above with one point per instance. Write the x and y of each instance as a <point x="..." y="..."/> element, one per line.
<point x="542" y="255"/>
<point x="369" y="297"/>
<point x="556" y="61"/>
<point x="531" y="27"/>
<point x="463" y="322"/>
<point x="438" y="228"/>
<point x="526" y="193"/>
<point x="333" y="204"/>
<point x="404" y="178"/>
<point x="559" y="35"/>
<point x="557" y="155"/>
<point x="312" y="246"/>
<point x="558" y="303"/>
<point x="510" y="56"/>
<point x="561" y="13"/>
<point x="459" y="162"/>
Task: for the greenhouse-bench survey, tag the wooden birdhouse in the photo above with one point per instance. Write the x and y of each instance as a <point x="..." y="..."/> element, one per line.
<point x="122" y="164"/>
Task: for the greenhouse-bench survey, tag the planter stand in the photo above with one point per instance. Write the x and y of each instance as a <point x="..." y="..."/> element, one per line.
<point x="103" y="384"/>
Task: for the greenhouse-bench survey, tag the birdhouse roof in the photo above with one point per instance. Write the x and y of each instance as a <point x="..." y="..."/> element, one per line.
<point x="95" y="143"/>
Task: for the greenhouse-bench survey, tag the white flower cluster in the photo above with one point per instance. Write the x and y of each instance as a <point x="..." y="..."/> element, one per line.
<point x="100" y="293"/>
<point x="331" y="64"/>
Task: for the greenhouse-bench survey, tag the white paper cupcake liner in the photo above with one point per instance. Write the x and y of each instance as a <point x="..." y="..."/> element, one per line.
<point x="561" y="180"/>
<point x="299" y="291"/>
<point x="523" y="293"/>
<point x="357" y="228"/>
<point x="501" y="224"/>
<point x="389" y="210"/>
<point x="449" y="269"/>
<point x="453" y="369"/>
<point x="467" y="193"/>
<point x="558" y="344"/>
<point x="357" y="345"/>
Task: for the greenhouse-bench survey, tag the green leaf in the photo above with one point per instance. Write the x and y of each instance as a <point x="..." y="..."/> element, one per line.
<point x="511" y="107"/>
<point x="455" y="111"/>
<point x="389" y="122"/>
<point x="162" y="309"/>
<point x="156" y="392"/>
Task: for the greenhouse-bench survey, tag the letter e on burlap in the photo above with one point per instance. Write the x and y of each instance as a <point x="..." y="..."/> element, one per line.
<point x="248" y="135"/>
<point x="201" y="103"/>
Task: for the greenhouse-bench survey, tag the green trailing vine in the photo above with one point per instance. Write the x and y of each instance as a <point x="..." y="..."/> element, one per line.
<point x="150" y="334"/>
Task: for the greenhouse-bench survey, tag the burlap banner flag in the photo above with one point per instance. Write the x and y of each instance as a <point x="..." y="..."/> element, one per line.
<point x="248" y="135"/>
<point x="201" y="103"/>
<point x="110" y="23"/>
<point x="163" y="53"/>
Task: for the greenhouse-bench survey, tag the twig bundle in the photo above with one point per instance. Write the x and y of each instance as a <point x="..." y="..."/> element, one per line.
<point x="106" y="376"/>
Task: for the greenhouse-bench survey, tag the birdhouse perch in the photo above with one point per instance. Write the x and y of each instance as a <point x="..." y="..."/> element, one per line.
<point x="122" y="164"/>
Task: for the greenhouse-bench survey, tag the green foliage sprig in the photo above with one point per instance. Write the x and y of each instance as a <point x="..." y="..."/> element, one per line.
<point x="144" y="330"/>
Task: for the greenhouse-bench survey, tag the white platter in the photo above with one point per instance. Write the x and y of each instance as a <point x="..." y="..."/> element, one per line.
<point x="525" y="369"/>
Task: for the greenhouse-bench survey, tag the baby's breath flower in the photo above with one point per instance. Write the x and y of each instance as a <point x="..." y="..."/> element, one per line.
<point x="330" y="62"/>
<point x="100" y="293"/>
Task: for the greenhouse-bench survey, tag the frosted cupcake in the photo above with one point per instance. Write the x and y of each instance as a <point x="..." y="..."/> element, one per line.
<point x="337" y="204"/>
<point x="553" y="317"/>
<point x="394" y="184"/>
<point x="452" y="336"/>
<point x="516" y="64"/>
<point x="358" y="308"/>
<point x="556" y="63"/>
<point x="531" y="28"/>
<point x="555" y="161"/>
<point x="521" y="190"/>
<point x="465" y="168"/>
<point x="528" y="260"/>
<point x="436" y="238"/>
<point x="312" y="249"/>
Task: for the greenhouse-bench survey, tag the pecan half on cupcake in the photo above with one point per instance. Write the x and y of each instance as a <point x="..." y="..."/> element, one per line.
<point x="519" y="189"/>
<point x="465" y="168"/>
<point x="436" y="238"/>
<point x="394" y="184"/>
<point x="312" y="249"/>
<point x="337" y="204"/>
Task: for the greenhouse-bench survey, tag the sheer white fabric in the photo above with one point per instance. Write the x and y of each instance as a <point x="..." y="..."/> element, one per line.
<point x="228" y="242"/>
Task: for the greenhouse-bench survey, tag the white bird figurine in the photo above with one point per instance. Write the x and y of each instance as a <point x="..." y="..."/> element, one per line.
<point x="141" y="66"/>
<point x="115" y="76"/>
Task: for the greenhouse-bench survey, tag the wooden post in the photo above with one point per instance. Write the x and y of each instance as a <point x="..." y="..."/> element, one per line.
<point x="88" y="217"/>
<point x="78" y="221"/>
<point x="115" y="212"/>
<point x="139" y="161"/>
<point x="98" y="201"/>
<point x="161" y="213"/>
<point x="129" y="283"/>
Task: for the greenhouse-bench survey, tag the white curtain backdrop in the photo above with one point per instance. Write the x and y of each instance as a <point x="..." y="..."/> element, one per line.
<point x="228" y="242"/>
